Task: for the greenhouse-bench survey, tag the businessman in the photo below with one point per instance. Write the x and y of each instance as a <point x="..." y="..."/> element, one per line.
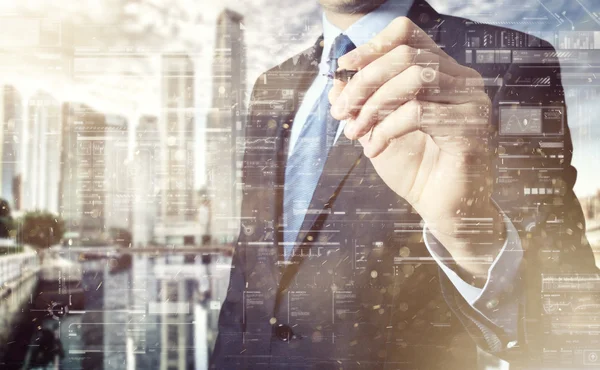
<point x="407" y="184"/>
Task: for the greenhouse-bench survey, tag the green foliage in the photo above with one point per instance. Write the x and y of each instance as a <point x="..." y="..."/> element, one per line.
<point x="7" y="223"/>
<point x="40" y="229"/>
<point x="120" y="236"/>
<point x="11" y="250"/>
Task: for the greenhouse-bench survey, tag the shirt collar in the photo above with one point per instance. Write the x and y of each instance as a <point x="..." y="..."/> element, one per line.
<point x="365" y="28"/>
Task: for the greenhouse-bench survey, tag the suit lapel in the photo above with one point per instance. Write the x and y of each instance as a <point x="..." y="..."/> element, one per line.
<point x="276" y="97"/>
<point x="344" y="156"/>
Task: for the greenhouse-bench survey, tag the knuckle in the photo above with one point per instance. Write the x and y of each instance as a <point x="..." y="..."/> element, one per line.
<point x="380" y="138"/>
<point x="473" y="76"/>
<point x="404" y="54"/>
<point x="415" y="69"/>
<point x="483" y="100"/>
<point x="415" y="108"/>
<point x="402" y="23"/>
<point x="406" y="49"/>
<point x="374" y="47"/>
<point x="366" y="77"/>
<point x="414" y="72"/>
<point x="402" y="27"/>
<point x="486" y="101"/>
<point x="354" y="58"/>
<point x="475" y="73"/>
<point x="471" y="72"/>
<point x="370" y="113"/>
<point x="458" y="82"/>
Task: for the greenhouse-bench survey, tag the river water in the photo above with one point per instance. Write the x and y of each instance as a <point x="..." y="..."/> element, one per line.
<point x="138" y="312"/>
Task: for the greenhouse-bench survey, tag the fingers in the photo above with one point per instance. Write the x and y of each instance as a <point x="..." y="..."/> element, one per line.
<point x="401" y="31"/>
<point x="438" y="120"/>
<point x="347" y="99"/>
<point x="402" y="121"/>
<point x="336" y="90"/>
<point x="406" y="83"/>
<point x="370" y="78"/>
<point x="415" y="83"/>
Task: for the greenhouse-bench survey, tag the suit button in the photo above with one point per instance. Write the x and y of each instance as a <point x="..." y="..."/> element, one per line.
<point x="284" y="332"/>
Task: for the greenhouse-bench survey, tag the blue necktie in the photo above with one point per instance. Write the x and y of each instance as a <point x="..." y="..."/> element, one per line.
<point x="304" y="166"/>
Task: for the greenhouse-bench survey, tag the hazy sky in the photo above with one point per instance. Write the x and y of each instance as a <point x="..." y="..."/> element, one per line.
<point x="274" y="30"/>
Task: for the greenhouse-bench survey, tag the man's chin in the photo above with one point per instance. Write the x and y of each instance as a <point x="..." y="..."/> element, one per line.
<point x="351" y="6"/>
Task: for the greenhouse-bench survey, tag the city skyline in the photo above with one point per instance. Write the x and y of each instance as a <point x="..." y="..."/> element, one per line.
<point x="130" y="121"/>
<point x="131" y="36"/>
<point x="214" y="136"/>
<point x="89" y="155"/>
<point x="225" y="125"/>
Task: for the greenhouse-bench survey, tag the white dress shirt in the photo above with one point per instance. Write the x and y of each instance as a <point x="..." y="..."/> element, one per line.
<point x="504" y="269"/>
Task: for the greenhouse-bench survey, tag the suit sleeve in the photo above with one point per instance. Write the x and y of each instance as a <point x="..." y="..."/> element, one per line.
<point x="231" y="329"/>
<point x="230" y="340"/>
<point x="534" y="182"/>
<point x="501" y="275"/>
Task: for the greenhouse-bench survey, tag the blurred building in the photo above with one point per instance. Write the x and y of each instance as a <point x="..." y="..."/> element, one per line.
<point x="83" y="165"/>
<point x="11" y="119"/>
<point x="174" y="310"/>
<point x="118" y="186"/>
<point x="146" y="164"/>
<point x="176" y="222"/>
<point x="224" y="126"/>
<point x="591" y="210"/>
<point x="117" y="335"/>
<point x="39" y="155"/>
<point x="155" y="316"/>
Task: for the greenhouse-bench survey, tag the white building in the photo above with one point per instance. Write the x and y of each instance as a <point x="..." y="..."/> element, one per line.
<point x="39" y="159"/>
<point x="118" y="185"/>
<point x="224" y="127"/>
<point x="177" y="223"/>
<point x="11" y="120"/>
<point x="145" y="166"/>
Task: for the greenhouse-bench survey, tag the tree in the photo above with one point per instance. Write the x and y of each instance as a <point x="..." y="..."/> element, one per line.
<point x="121" y="237"/>
<point x="6" y="221"/>
<point x="41" y="229"/>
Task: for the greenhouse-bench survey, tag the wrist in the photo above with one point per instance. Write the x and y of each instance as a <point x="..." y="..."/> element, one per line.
<point x="473" y="242"/>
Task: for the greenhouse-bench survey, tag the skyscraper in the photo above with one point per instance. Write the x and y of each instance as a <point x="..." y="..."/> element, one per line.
<point x="118" y="333"/>
<point x="177" y="215"/>
<point x="146" y="163"/>
<point x="39" y="156"/>
<point x="118" y="184"/>
<point x="12" y="123"/>
<point x="82" y="181"/>
<point x="175" y="315"/>
<point x="224" y="126"/>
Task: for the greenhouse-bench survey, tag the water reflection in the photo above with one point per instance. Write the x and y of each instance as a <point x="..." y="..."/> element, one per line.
<point x="139" y="312"/>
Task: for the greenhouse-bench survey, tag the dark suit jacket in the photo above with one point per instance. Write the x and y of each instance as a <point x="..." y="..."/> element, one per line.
<point x="350" y="298"/>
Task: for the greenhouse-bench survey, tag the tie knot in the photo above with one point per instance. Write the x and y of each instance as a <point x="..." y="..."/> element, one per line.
<point x="341" y="45"/>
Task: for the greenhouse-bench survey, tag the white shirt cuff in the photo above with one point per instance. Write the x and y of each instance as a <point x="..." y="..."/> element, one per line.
<point x="502" y="278"/>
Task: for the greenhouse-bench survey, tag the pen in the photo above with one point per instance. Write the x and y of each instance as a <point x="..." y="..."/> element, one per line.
<point x="346" y="75"/>
<point x="342" y="74"/>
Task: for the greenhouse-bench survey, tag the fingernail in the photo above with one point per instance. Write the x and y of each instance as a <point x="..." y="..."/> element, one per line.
<point x="362" y="125"/>
<point x="352" y="129"/>
<point x="356" y="129"/>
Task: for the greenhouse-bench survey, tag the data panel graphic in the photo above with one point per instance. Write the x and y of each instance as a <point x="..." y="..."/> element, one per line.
<point x="323" y="184"/>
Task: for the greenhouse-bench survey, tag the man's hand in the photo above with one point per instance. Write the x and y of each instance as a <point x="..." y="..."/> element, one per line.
<point x="424" y="121"/>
